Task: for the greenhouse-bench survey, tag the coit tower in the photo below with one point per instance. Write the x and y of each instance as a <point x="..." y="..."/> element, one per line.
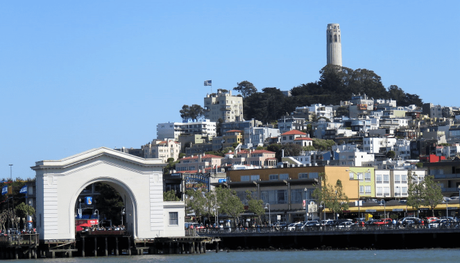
<point x="334" y="45"/>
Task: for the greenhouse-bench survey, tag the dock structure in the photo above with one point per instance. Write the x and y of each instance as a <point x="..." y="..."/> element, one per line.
<point x="100" y="244"/>
<point x="15" y="246"/>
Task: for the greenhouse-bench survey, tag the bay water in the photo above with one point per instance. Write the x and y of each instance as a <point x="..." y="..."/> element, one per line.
<point x="291" y="256"/>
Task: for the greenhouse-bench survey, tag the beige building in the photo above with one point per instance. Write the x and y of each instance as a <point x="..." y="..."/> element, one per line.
<point x="162" y="149"/>
<point x="222" y="105"/>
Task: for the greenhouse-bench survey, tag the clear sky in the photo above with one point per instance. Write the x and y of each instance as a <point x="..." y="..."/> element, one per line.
<point x="77" y="75"/>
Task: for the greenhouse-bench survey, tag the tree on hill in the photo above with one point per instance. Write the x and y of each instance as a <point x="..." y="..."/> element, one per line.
<point x="246" y="88"/>
<point x="191" y="112"/>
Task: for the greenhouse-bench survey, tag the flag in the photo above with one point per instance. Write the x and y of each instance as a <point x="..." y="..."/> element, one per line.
<point x="208" y="82"/>
<point x="4" y="189"/>
<point x="23" y="190"/>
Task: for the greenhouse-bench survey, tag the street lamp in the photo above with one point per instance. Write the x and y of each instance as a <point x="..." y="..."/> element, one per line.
<point x="306" y="204"/>
<point x="123" y="212"/>
<point x="359" y="197"/>
<point x="384" y="208"/>
<point x="267" y="206"/>
<point x="96" y="213"/>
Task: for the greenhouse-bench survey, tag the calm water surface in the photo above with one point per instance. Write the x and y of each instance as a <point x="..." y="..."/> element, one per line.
<point x="367" y="256"/>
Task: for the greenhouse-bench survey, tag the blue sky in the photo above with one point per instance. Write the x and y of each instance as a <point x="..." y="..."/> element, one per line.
<point x="77" y="75"/>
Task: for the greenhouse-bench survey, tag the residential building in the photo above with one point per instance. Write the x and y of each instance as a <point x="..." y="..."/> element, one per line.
<point x="446" y="174"/>
<point x="162" y="149"/>
<point x="222" y="105"/>
<point x="296" y="137"/>
<point x="288" y="123"/>
<point x="252" y="158"/>
<point x="199" y="163"/>
<point x="172" y="130"/>
<point x="259" y="136"/>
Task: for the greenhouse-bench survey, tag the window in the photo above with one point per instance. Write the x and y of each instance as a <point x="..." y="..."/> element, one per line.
<point x="284" y="176"/>
<point x="352" y="175"/>
<point x="314" y="175"/>
<point x="245" y="178"/>
<point x="368" y="189"/>
<point x="297" y="196"/>
<point x="273" y="177"/>
<point x="303" y="175"/>
<point x="386" y="191"/>
<point x="173" y="218"/>
<point x="404" y="178"/>
<point x="367" y="177"/>
<point x="397" y="178"/>
<point x="255" y="177"/>
<point x="378" y="178"/>
<point x="282" y="196"/>
<point x="361" y="189"/>
<point x="386" y="179"/>
<point x="404" y="190"/>
<point x="360" y="176"/>
<point x="379" y="191"/>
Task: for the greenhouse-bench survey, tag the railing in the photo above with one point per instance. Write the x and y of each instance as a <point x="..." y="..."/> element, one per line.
<point x="19" y="239"/>
<point x="320" y="229"/>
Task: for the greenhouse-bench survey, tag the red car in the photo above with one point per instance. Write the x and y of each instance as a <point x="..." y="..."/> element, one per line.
<point x="385" y="221"/>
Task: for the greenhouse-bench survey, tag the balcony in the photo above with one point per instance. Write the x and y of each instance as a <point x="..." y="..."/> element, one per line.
<point x="446" y="176"/>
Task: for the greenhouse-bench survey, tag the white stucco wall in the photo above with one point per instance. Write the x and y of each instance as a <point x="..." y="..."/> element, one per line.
<point x="139" y="181"/>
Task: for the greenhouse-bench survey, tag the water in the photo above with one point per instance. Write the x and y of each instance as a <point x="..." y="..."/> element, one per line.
<point x="355" y="256"/>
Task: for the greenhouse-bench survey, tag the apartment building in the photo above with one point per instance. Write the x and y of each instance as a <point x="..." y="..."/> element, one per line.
<point x="222" y="105"/>
<point x="172" y="130"/>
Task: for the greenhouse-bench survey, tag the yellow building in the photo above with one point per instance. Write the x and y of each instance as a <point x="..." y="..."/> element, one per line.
<point x="285" y="189"/>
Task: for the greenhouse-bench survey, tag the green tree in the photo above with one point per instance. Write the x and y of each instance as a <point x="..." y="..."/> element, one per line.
<point x="432" y="193"/>
<point x="292" y="149"/>
<point x="323" y="145"/>
<point x="229" y="203"/>
<point x="414" y="192"/>
<point x="193" y="112"/>
<point x="255" y="205"/>
<point x="197" y="202"/>
<point x="333" y="197"/>
<point x="22" y="210"/>
<point x="170" y="196"/>
<point x="391" y="154"/>
<point x="109" y="202"/>
<point x="277" y="148"/>
<point x="246" y="88"/>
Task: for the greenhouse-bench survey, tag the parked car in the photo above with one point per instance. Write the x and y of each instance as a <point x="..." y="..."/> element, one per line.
<point x="311" y="224"/>
<point x="327" y="222"/>
<point x="385" y="221"/>
<point x="293" y="226"/>
<point x="439" y="223"/>
<point x="408" y="221"/>
<point x="345" y="224"/>
<point x="431" y="219"/>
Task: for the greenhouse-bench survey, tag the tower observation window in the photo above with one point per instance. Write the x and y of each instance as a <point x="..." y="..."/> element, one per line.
<point x="335" y="38"/>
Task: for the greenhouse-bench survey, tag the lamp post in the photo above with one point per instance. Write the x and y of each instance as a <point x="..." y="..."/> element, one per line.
<point x="96" y="213"/>
<point x="123" y="211"/>
<point x="12" y="196"/>
<point x="267" y="206"/>
<point x="306" y="204"/>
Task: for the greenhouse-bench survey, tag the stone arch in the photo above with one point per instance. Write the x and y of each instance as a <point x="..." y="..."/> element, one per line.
<point x="139" y="181"/>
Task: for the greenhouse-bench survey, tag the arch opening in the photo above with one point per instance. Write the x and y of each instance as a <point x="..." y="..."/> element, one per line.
<point x="104" y="204"/>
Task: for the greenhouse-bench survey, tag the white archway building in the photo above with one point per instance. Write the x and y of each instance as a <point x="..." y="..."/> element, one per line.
<point x="139" y="181"/>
